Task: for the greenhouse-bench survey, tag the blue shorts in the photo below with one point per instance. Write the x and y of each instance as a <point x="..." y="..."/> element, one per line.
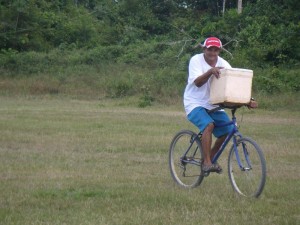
<point x="201" y="118"/>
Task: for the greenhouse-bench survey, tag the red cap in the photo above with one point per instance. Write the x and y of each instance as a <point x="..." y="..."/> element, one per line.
<point x="212" y="41"/>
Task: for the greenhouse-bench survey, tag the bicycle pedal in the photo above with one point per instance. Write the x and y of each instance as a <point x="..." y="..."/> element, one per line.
<point x="219" y="171"/>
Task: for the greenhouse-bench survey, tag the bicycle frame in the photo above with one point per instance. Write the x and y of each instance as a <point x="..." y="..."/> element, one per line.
<point x="233" y="134"/>
<point x="183" y="158"/>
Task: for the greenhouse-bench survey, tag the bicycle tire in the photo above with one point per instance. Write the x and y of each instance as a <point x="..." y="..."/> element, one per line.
<point x="187" y="175"/>
<point x="250" y="180"/>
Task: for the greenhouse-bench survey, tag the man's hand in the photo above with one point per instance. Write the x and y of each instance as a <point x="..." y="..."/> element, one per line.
<point x="216" y="71"/>
<point x="252" y="104"/>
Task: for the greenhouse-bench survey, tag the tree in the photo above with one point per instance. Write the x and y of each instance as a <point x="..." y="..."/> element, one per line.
<point x="239" y="9"/>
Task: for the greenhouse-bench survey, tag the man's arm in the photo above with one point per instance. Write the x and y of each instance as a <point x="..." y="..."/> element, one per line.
<point x="199" y="81"/>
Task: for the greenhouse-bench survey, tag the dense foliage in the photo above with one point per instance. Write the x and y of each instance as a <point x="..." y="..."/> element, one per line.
<point x="40" y="36"/>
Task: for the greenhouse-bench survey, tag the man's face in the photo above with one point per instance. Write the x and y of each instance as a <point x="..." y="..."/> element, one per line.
<point x="211" y="54"/>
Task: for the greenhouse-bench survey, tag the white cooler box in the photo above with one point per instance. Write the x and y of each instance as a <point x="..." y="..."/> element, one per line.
<point x="232" y="88"/>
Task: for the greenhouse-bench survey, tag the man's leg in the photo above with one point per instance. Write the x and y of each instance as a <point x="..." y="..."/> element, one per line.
<point x="217" y="146"/>
<point x="220" y="117"/>
<point x="205" y="123"/>
<point x="206" y="143"/>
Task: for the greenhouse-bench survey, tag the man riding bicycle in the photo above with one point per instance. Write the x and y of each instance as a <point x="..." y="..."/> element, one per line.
<point x="196" y="100"/>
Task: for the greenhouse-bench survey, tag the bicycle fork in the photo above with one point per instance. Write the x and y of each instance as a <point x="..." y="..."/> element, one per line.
<point x="238" y="155"/>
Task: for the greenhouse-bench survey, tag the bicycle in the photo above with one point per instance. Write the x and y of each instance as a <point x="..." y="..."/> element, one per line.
<point x="246" y="162"/>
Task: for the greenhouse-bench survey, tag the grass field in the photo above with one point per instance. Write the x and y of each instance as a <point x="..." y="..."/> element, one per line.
<point x="65" y="161"/>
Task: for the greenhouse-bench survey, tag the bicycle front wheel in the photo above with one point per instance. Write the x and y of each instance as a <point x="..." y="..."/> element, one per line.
<point x="247" y="168"/>
<point x="185" y="157"/>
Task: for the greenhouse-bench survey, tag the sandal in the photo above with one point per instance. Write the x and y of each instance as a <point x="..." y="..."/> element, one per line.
<point x="212" y="168"/>
<point x="209" y="168"/>
<point x="219" y="168"/>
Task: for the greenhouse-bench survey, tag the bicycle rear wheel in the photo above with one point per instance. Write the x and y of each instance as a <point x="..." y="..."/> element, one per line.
<point x="185" y="157"/>
<point x="249" y="176"/>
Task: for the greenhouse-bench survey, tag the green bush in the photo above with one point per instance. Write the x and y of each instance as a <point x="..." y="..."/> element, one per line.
<point x="159" y="75"/>
<point x="147" y="98"/>
<point x="276" y="80"/>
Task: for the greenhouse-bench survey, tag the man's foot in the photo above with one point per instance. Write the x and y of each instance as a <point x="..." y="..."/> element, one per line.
<point x="219" y="168"/>
<point x="212" y="168"/>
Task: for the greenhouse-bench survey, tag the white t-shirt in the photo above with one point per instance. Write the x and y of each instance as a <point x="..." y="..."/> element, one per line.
<point x="199" y="96"/>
